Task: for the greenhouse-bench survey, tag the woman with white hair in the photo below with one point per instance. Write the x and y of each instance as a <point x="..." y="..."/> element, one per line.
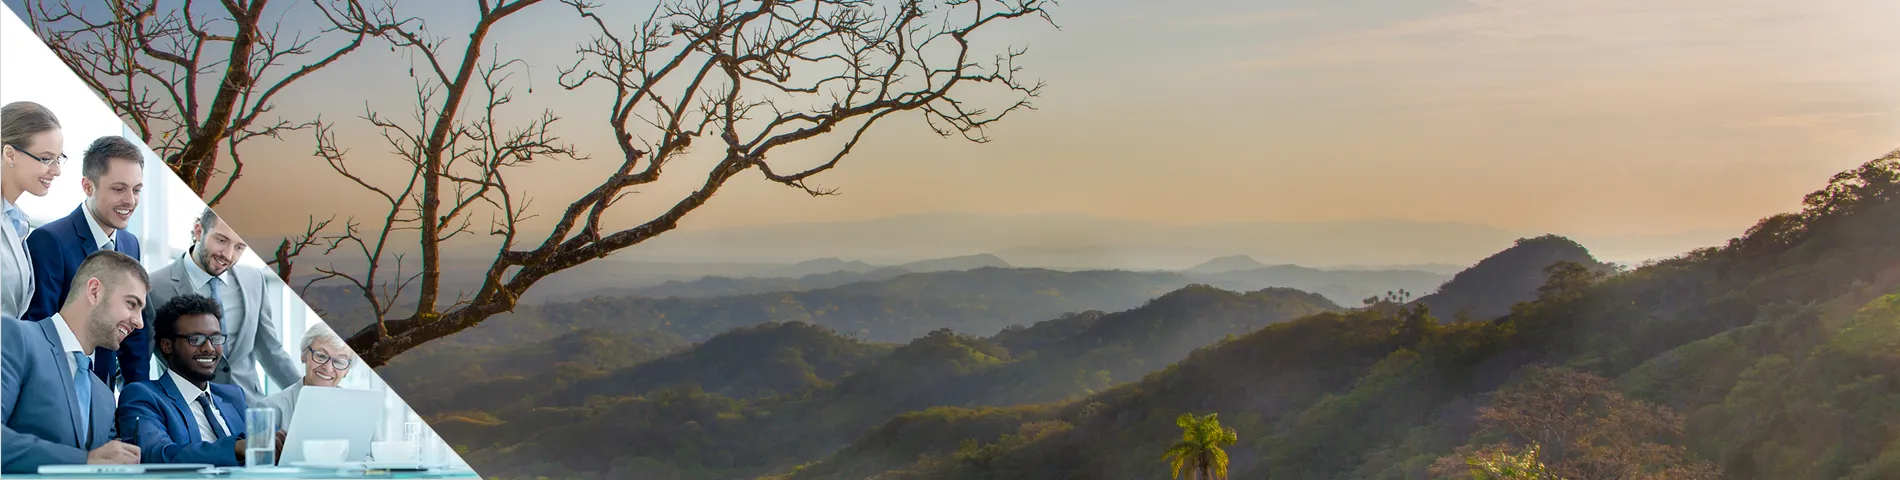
<point x="326" y="360"/>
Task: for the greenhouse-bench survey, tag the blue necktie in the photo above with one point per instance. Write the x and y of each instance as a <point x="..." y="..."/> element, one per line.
<point x="219" y="293"/>
<point x="19" y="225"/>
<point x="82" y="386"/>
<point x="211" y="415"/>
<point x="18" y="219"/>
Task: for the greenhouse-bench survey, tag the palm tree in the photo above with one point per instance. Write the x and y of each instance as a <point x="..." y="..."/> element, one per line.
<point x="1503" y="465"/>
<point x="1199" y="450"/>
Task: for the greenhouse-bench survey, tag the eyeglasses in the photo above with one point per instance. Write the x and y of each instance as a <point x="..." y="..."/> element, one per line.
<point x="320" y="358"/>
<point x="199" y="339"/>
<point x="60" y="160"/>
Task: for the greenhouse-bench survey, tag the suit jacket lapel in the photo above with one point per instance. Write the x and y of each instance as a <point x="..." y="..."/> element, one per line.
<point x="180" y="408"/>
<point x="181" y="278"/>
<point x="83" y="229"/>
<point x="233" y="419"/>
<point x="61" y="361"/>
<point x="177" y="281"/>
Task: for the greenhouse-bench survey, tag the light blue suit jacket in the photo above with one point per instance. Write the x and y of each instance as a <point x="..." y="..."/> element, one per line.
<point x="166" y="431"/>
<point x="57" y="249"/>
<point x="39" y="403"/>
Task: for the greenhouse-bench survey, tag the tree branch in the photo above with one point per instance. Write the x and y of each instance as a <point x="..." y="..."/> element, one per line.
<point x="749" y="76"/>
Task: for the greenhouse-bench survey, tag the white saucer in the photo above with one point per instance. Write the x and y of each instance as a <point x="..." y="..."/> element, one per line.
<point x="327" y="465"/>
<point x="394" y="465"/>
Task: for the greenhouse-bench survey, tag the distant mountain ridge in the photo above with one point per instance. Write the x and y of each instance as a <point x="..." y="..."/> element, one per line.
<point x="1488" y="289"/>
<point x="965" y="262"/>
<point x="1341" y="286"/>
<point x="1074" y="241"/>
<point x="823" y="265"/>
<point x="1058" y="242"/>
<point x="1228" y="263"/>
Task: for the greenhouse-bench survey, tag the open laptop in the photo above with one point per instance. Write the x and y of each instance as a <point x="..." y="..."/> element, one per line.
<point x="138" y="469"/>
<point x="330" y="413"/>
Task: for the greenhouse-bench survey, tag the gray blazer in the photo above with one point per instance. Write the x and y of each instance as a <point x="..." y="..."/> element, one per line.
<point x="255" y="338"/>
<point x="39" y="402"/>
<point x="16" y="272"/>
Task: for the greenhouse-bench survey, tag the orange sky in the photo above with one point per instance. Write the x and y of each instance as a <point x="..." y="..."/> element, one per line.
<point x="1601" y="117"/>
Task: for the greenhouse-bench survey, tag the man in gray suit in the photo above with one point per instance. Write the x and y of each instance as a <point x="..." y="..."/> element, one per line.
<point x="46" y="371"/>
<point x="251" y="327"/>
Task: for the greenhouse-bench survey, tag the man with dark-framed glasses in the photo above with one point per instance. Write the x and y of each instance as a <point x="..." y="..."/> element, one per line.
<point x="182" y="416"/>
<point x="254" y="347"/>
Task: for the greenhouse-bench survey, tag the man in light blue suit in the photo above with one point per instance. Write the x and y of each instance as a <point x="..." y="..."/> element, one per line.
<point x="113" y="177"/>
<point x="56" y="411"/>
<point x="181" y="416"/>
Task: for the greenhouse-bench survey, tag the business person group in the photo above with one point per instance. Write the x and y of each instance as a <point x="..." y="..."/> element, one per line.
<point x="81" y="316"/>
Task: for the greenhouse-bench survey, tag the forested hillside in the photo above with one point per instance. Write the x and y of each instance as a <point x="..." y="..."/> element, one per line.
<point x="767" y="397"/>
<point x="1770" y="357"/>
<point x="1489" y="289"/>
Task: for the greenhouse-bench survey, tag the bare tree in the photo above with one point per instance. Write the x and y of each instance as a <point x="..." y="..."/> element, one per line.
<point x="195" y="84"/>
<point x="749" y="76"/>
<point x="1575" y="425"/>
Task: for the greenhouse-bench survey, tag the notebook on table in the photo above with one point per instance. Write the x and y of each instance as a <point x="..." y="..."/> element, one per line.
<point x="121" y="469"/>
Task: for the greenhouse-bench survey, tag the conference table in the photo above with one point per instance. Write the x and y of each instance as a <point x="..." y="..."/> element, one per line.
<point x="277" y="473"/>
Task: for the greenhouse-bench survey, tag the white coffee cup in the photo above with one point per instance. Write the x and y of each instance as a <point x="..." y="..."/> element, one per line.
<point x="325" y="451"/>
<point x="393" y="451"/>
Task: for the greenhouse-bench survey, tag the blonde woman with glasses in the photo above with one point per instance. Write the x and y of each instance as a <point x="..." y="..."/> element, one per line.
<point x="34" y="150"/>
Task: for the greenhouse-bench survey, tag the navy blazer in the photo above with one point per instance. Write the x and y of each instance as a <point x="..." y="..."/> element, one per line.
<point x="161" y="423"/>
<point x="39" y="402"/>
<point x="57" y="249"/>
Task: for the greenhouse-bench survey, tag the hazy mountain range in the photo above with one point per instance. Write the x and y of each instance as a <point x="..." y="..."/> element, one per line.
<point x="1081" y="241"/>
<point x="945" y="241"/>
<point x="748" y="383"/>
<point x="1769" y="357"/>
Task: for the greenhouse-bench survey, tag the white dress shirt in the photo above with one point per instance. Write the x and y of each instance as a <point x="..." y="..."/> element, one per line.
<point x="69" y="342"/>
<point x="285" y="401"/>
<point x="191" y="393"/>
<point x="99" y="234"/>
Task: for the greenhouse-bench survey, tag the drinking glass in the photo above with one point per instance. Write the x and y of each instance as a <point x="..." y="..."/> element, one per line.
<point x="432" y="446"/>
<point x="260" y="437"/>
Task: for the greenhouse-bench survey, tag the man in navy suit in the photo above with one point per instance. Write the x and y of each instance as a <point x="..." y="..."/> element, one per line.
<point x="182" y="417"/>
<point x="56" y="412"/>
<point x="113" y="176"/>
